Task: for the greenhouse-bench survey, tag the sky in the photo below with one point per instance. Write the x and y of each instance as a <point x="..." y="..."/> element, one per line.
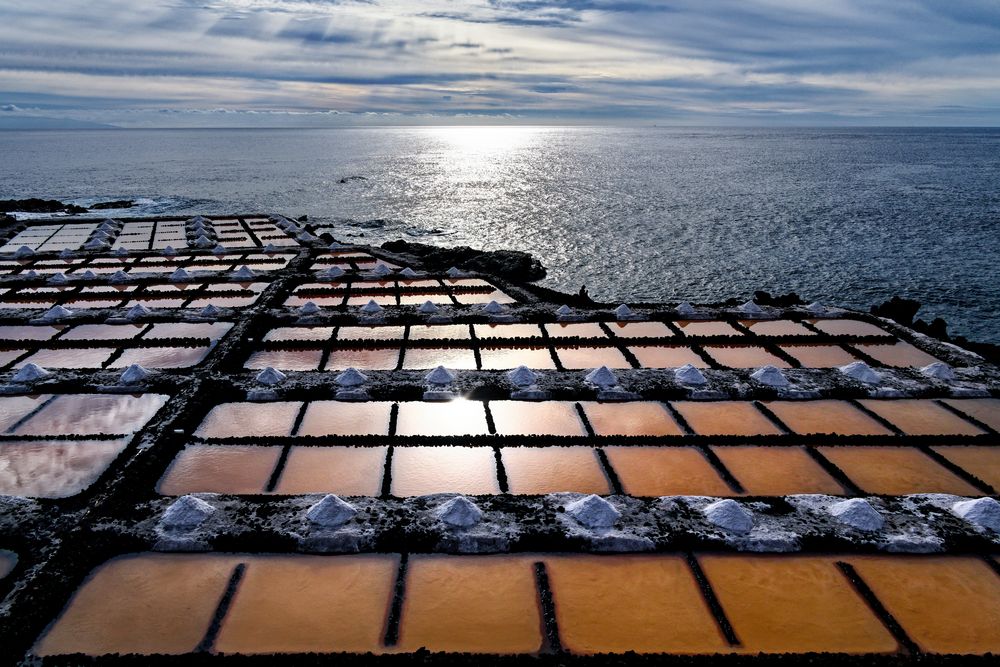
<point x="326" y="63"/>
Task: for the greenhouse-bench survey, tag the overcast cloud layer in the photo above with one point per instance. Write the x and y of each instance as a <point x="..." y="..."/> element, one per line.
<point x="332" y="62"/>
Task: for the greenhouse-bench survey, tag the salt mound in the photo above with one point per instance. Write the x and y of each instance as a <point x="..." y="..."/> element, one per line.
<point x="939" y="371"/>
<point x="119" y="276"/>
<point x="352" y="377"/>
<point x="88" y="275"/>
<point x="219" y="249"/>
<point x="381" y="270"/>
<point x="750" y="308"/>
<point x="330" y="512"/>
<point x="58" y="278"/>
<point x="199" y="220"/>
<point x="371" y="307"/>
<point x="440" y="376"/>
<point x="30" y="274"/>
<point x="209" y="311"/>
<point x="623" y="312"/>
<point x="203" y="242"/>
<point x="336" y="246"/>
<point x="593" y="512"/>
<point x="332" y="272"/>
<point x="95" y="244"/>
<point x="186" y="513"/>
<point x="121" y="252"/>
<point x="861" y="372"/>
<point x="729" y="515"/>
<point x="305" y="236"/>
<point x="688" y="374"/>
<point x="308" y="308"/>
<point x="30" y="373"/>
<point x="244" y="273"/>
<point x="460" y="512"/>
<point x="522" y="376"/>
<point x="56" y="313"/>
<point x="455" y="272"/>
<point x="428" y="307"/>
<point x="770" y="376"/>
<point x="859" y="513"/>
<point x="270" y="376"/>
<point x="493" y="308"/>
<point x="180" y="276"/>
<point x="685" y="308"/>
<point x="66" y="253"/>
<point x="24" y="251"/>
<point x="602" y="377"/>
<point x="409" y="273"/>
<point x="137" y="311"/>
<point x="984" y="512"/>
<point x="816" y="307"/>
<point x="133" y="374"/>
<point x="270" y="247"/>
<point x="564" y="310"/>
<point x="169" y="251"/>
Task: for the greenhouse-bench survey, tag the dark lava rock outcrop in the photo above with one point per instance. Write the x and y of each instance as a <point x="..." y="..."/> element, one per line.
<point x="121" y="203"/>
<point x="39" y="206"/>
<point x="513" y="265"/>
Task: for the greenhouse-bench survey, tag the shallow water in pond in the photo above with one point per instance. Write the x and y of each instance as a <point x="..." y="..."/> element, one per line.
<point x="921" y="417"/>
<point x="28" y="332"/>
<point x="93" y="414"/>
<point x="825" y="416"/>
<point x="819" y="356"/>
<point x="219" y="469"/>
<point x="666" y="471"/>
<point x="707" y="328"/>
<point x="777" y="328"/>
<point x="896" y="471"/>
<point x="346" y="471"/>
<point x="382" y="359"/>
<point x="543" y="418"/>
<point x="640" y="329"/>
<point x="502" y="358"/>
<point x="92" y="357"/>
<point x="103" y="332"/>
<point x="591" y="357"/>
<point x="457" y="417"/>
<point x="419" y="471"/>
<point x="300" y="333"/>
<point x="581" y="329"/>
<point x="286" y="360"/>
<point x="249" y="419"/>
<point x="740" y="356"/>
<point x="342" y="418"/>
<point x="53" y="468"/>
<point x="540" y="470"/>
<point x="161" y="357"/>
<point x="654" y="356"/>
<point x="986" y="410"/>
<point x="631" y="418"/>
<point x="725" y="418"/>
<point x="429" y="357"/>
<point x="776" y="471"/>
<point x="982" y="461"/>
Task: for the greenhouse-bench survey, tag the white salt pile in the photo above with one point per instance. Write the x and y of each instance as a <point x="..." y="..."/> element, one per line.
<point x="270" y="248"/>
<point x="57" y="313"/>
<point x="180" y="276"/>
<point x="121" y="252"/>
<point x="270" y="376"/>
<point x="685" y="308"/>
<point x="58" y="278"/>
<point x="939" y="371"/>
<point x="861" y="372"/>
<point x="24" y="251"/>
<point x="186" y="513"/>
<point x="688" y="374"/>
<point x="119" y="276"/>
<point x="623" y="312"/>
<point x="308" y="308"/>
<point x="455" y="272"/>
<point x="30" y="274"/>
<point x="459" y="512"/>
<point x="66" y="253"/>
<point x="750" y="308"/>
<point x="336" y="246"/>
<point x="351" y="377"/>
<point x="30" y="373"/>
<point x="332" y="272"/>
<point x="371" y="307"/>
<point x="209" y="311"/>
<point x="244" y="273"/>
<point x="133" y="374"/>
<point x="330" y="512"/>
<point x="199" y="220"/>
<point x="493" y="308"/>
<point x="219" y="249"/>
<point x="305" y="237"/>
<point x="381" y="270"/>
<point x="770" y="376"/>
<point x="203" y="242"/>
<point x="593" y="512"/>
<point x="428" y="307"/>
<point x="857" y="513"/>
<point x="816" y="307"/>
<point x="169" y="251"/>
<point x="409" y="273"/>
<point x="522" y="376"/>
<point x="564" y="310"/>
<point x="96" y="244"/>
<point x="729" y="515"/>
<point x="137" y="311"/>
<point x="88" y="275"/>
<point x="984" y="512"/>
<point x="602" y="377"/>
<point x="440" y="376"/>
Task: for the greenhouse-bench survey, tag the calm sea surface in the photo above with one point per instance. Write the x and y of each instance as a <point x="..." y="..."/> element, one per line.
<point x="843" y="216"/>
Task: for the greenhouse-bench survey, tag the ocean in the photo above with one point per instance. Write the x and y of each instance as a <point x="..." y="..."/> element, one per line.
<point x="843" y="216"/>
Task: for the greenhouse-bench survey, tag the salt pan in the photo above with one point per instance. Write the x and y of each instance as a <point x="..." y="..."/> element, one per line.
<point x="858" y="513"/>
<point x="244" y="273"/>
<point x="440" y="376"/>
<point x="983" y="512"/>
<point x="351" y="377"/>
<point x="688" y="374"/>
<point x="308" y="308"/>
<point x="330" y="512"/>
<point x="729" y="515"/>
<point x="186" y="513"/>
<point x="861" y="372"/>
<point x="371" y="307"/>
<point x="180" y="276"/>
<point x="30" y="373"/>
<point x="270" y="376"/>
<point x="602" y="377"/>
<point x="594" y="512"/>
<point x="428" y="308"/>
<point x="459" y="512"/>
<point x="133" y="374"/>
<point x="939" y="371"/>
<point x="522" y="376"/>
<point x="137" y="311"/>
<point x="493" y="308"/>
<point x="685" y="308"/>
<point x="770" y="376"/>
